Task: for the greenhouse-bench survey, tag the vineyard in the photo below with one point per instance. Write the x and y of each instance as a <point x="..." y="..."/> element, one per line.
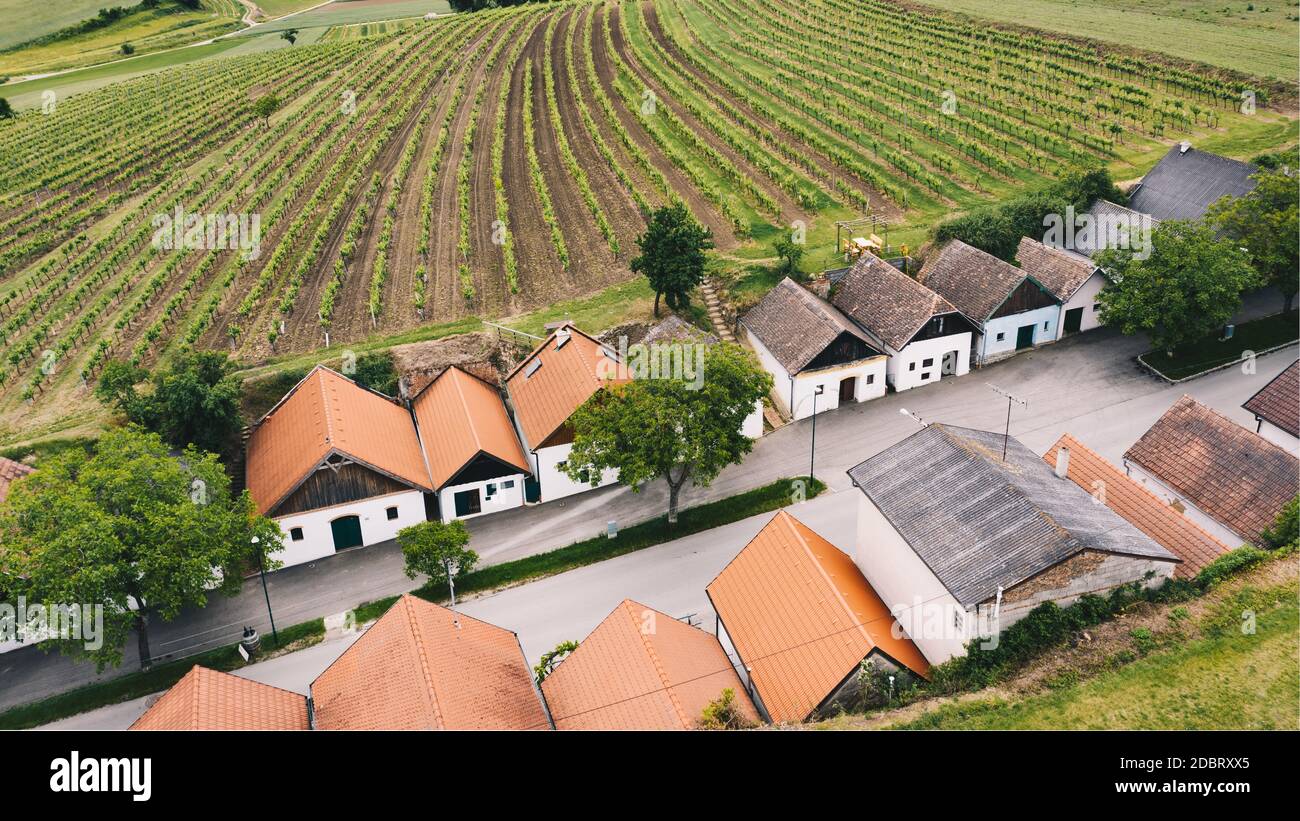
<point x="488" y="163"/>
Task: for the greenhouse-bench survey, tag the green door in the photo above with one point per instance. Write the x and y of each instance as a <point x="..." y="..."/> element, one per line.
<point x="1025" y="337"/>
<point x="1073" y="320"/>
<point x="347" y="532"/>
<point x="468" y="502"/>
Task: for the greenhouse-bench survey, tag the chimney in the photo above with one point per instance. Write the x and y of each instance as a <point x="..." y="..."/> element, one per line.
<point x="1063" y="462"/>
<point x="1184" y="146"/>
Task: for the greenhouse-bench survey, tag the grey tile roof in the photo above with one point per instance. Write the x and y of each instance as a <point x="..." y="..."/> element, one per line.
<point x="1184" y="185"/>
<point x="976" y="282"/>
<point x="1278" y="402"/>
<point x="796" y="325"/>
<point x="1110" y="223"/>
<point x="978" y="522"/>
<point x="1234" y="475"/>
<point x="675" y="329"/>
<point x="1060" y="271"/>
<point x="887" y="302"/>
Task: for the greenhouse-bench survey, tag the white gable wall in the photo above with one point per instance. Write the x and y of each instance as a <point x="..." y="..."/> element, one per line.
<point x="1044" y="320"/>
<point x="318" y="537"/>
<point x="795" y="397"/>
<point x="555" y="484"/>
<point x="503" y="498"/>
<point x="1085" y="298"/>
<point x="907" y="368"/>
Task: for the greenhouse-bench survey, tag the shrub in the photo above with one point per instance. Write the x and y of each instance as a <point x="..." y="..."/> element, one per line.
<point x="1229" y="564"/>
<point x="722" y="714"/>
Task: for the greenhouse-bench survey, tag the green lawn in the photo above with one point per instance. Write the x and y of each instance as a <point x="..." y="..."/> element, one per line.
<point x="25" y="20"/>
<point x="1227" y="681"/>
<point x="1261" y="40"/>
<point x="1256" y="335"/>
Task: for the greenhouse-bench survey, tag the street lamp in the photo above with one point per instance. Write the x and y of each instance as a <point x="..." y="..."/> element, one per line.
<point x="812" y="450"/>
<point x="261" y="567"/>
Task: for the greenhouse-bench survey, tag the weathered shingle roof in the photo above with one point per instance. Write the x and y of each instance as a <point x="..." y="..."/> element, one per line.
<point x="642" y="670"/>
<point x="461" y="416"/>
<point x="886" y="301"/>
<point x="1059" y="271"/>
<point x="975" y="281"/>
<point x="675" y="329"/>
<point x="1140" y="507"/>
<point x="1234" y="475"/>
<point x="1277" y="403"/>
<point x="424" y="667"/>
<point x="11" y="471"/>
<point x="802" y="617"/>
<point x="1112" y="228"/>
<point x="207" y="699"/>
<point x="980" y="523"/>
<point x="796" y="325"/>
<point x="1183" y="185"/>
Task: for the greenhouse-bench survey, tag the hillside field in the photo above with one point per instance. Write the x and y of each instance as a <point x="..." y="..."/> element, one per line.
<point x="488" y="164"/>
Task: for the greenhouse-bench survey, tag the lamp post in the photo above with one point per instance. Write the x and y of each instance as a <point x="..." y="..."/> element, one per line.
<point x="261" y="568"/>
<point x="812" y="450"/>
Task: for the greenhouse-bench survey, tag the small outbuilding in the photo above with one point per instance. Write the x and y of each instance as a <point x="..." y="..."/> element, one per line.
<point x="1276" y="407"/>
<point x="1069" y="276"/>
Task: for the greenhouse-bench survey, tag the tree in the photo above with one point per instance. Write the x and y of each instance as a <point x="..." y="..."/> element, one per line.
<point x="672" y="254"/>
<point x="128" y="49"/>
<point x="437" y="550"/>
<point x="1286" y="528"/>
<point x="789" y="252"/>
<point x="1265" y="222"/>
<point x="551" y="659"/>
<point x="6" y="110"/>
<point x="193" y="401"/>
<point x="723" y="714"/>
<point x="132" y="528"/>
<point x="1186" y="289"/>
<point x="265" y="107"/>
<point x="289" y="34"/>
<point x="677" y="428"/>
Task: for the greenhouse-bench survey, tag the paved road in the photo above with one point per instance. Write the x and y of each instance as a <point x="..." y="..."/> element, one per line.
<point x="1087" y="385"/>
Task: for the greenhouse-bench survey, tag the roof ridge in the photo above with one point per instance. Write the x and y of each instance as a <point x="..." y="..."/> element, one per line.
<point x="412" y="622"/>
<point x="626" y="606"/>
<point x="469" y="417"/>
<point x="862" y="628"/>
<point x="196" y="694"/>
<point x="328" y="417"/>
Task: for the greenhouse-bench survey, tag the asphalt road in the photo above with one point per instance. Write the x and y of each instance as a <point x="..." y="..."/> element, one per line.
<point x="1088" y="385"/>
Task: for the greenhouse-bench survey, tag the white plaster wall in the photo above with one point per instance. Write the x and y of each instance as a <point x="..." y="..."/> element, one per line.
<point x="796" y="400"/>
<point x="1279" y="437"/>
<point x="903" y="377"/>
<point x="504" y="498"/>
<point x="1191" y="511"/>
<point x="780" y="376"/>
<point x="318" y="538"/>
<point x="555" y="483"/>
<point x="992" y="349"/>
<point x="1085" y="298"/>
<point x="753" y="424"/>
<point x="902" y="580"/>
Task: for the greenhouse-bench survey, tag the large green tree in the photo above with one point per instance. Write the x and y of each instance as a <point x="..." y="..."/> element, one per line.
<point x="439" y="551"/>
<point x="1186" y="289"/>
<point x="672" y="254"/>
<point x="195" y="400"/>
<point x="133" y="528"/>
<point x="1266" y="224"/>
<point x="677" y="428"/>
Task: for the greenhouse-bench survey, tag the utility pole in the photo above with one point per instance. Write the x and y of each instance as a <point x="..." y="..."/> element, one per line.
<point x="812" y="451"/>
<point x="261" y="567"/>
<point x="1010" y="398"/>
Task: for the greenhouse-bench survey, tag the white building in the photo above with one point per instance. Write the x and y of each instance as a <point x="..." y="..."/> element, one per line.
<point x="337" y="466"/>
<point x="961" y="543"/>
<point x="924" y="336"/>
<point x="817" y="357"/>
<point x="1227" y="479"/>
<point x="1277" y="409"/>
<point x="474" y="459"/>
<point x="1071" y="277"/>
<point x="1012" y="310"/>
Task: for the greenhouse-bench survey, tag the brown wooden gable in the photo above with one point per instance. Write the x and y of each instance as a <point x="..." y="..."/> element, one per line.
<point x="1027" y="296"/>
<point x="329" y="486"/>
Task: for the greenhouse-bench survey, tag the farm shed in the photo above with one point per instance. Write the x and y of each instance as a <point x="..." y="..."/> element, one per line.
<point x="642" y="670"/>
<point x="803" y="620"/>
<point x="1069" y="276"/>
<point x="807" y="346"/>
<point x="1276" y="407"/>
<point x="1013" y="310"/>
<point x="337" y="466"/>
<point x="1228" y="479"/>
<point x="475" y="461"/>
<point x="925" y="337"/>
<point x="961" y="542"/>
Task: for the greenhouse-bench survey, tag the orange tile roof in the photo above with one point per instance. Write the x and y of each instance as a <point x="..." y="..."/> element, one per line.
<point x="11" y="471"/>
<point x="641" y="670"/>
<point x="802" y="617"/>
<point x="545" y="398"/>
<point x="1140" y="507"/>
<point x="328" y="412"/>
<point x="424" y="667"/>
<point x="459" y="416"/>
<point x="211" y="700"/>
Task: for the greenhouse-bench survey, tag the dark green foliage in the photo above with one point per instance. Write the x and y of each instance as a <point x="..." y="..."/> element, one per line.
<point x="1286" y="530"/>
<point x="193" y="401"/>
<point x="672" y="255"/>
<point x="377" y="372"/>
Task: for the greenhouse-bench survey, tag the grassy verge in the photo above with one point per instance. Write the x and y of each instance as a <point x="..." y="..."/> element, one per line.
<point x="159" y="677"/>
<point x="598" y="548"/>
<point x="1256" y="335"/>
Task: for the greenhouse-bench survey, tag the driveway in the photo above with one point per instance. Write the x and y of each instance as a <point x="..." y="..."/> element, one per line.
<point x="1087" y="385"/>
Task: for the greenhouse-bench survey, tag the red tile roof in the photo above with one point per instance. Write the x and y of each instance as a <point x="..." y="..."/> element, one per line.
<point x="802" y="617"/>
<point x="641" y="670"/>
<point x="11" y="471"/>
<point x="1232" y="474"/>
<point x="1140" y="507"/>
<point x="1278" y="402"/>
<point x="211" y="700"/>
<point x="555" y="380"/>
<point x="460" y="416"/>
<point x="327" y="412"/>
<point x="424" y="667"/>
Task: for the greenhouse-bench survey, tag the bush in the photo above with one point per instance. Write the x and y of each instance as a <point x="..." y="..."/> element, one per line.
<point x="1229" y="564"/>
<point x="1286" y="530"/>
<point x="722" y="714"/>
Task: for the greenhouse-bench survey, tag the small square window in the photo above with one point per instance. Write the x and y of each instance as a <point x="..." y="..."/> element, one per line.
<point x="1001" y="336"/>
<point x="928" y="363"/>
<point x="925" y="376"/>
<point x="911" y="366"/>
<point x="871" y="379"/>
<point x="391" y="513"/>
<point x="1096" y="307"/>
<point x="509" y="483"/>
<point x="295" y="533"/>
<point x="491" y="489"/>
<point x="1045" y="325"/>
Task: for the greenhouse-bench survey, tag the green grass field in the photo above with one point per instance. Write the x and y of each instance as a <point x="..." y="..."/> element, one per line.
<point x="349" y="13"/>
<point x="1261" y="41"/>
<point x="25" y="20"/>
